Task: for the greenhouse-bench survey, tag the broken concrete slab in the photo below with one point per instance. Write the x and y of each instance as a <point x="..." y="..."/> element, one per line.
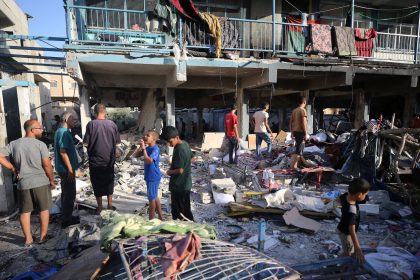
<point x="269" y="243"/>
<point x="226" y="185"/>
<point x="85" y="266"/>
<point x="293" y="217"/>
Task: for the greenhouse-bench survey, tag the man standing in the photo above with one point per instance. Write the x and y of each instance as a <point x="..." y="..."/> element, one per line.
<point x="32" y="166"/>
<point x="260" y="122"/>
<point x="101" y="137"/>
<point x="66" y="164"/>
<point x="231" y="132"/>
<point x="299" y="129"/>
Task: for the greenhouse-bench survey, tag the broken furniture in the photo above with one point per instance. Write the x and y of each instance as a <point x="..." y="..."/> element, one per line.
<point x="219" y="260"/>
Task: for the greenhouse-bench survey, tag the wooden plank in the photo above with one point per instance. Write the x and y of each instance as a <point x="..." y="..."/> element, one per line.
<point x="83" y="267"/>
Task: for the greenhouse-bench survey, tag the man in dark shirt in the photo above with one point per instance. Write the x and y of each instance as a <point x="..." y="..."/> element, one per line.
<point x="180" y="182"/>
<point x="101" y="137"/>
<point x="350" y="217"/>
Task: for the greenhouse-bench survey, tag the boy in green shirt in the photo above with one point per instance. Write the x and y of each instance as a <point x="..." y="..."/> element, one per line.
<point x="180" y="172"/>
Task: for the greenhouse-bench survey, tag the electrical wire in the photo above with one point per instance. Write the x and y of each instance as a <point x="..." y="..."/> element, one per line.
<point x="293" y="6"/>
<point x="236" y="83"/>
<point x="385" y="19"/>
<point x="385" y="9"/>
<point x="51" y="45"/>
<point x="221" y="85"/>
<point x="329" y="10"/>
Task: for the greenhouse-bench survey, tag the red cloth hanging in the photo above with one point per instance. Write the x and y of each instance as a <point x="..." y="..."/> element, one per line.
<point x="187" y="8"/>
<point x="364" y="41"/>
<point x="293" y="20"/>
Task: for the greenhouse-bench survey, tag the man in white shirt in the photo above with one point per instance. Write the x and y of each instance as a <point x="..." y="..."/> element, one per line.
<point x="261" y="128"/>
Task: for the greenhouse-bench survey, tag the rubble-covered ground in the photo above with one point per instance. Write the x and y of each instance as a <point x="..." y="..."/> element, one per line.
<point x="288" y="244"/>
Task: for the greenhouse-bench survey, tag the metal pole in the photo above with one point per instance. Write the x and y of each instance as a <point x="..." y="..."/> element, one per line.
<point x="69" y="20"/>
<point x="416" y="49"/>
<point x="180" y="34"/>
<point x="262" y="226"/>
<point x="352" y="13"/>
<point x="273" y="30"/>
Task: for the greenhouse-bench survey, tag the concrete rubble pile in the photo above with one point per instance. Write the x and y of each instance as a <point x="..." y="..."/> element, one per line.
<point x="289" y="215"/>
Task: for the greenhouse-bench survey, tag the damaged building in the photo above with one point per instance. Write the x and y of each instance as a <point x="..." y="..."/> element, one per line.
<point x="184" y="63"/>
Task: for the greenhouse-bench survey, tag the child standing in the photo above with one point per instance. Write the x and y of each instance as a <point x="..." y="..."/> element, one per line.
<point x="152" y="174"/>
<point x="180" y="173"/>
<point x="350" y="218"/>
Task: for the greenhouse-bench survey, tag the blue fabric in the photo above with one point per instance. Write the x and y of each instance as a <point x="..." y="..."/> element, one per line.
<point x="260" y="137"/>
<point x="37" y="275"/>
<point x="152" y="189"/>
<point x="152" y="171"/>
<point x="64" y="140"/>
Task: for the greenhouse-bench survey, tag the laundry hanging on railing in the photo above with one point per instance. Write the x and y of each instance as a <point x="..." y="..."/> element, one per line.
<point x="295" y="36"/>
<point x="169" y="19"/>
<point x="187" y="8"/>
<point x="213" y="24"/>
<point x="364" y="41"/>
<point x="344" y="41"/>
<point x="230" y="34"/>
<point x="320" y="39"/>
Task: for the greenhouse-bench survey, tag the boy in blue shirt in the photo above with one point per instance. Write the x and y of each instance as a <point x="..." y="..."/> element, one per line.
<point x="152" y="174"/>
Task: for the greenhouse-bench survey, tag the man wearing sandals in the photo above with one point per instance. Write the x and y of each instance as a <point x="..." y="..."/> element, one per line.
<point x="32" y="166"/>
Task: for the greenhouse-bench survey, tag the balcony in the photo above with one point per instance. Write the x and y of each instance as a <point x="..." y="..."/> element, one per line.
<point x="127" y="30"/>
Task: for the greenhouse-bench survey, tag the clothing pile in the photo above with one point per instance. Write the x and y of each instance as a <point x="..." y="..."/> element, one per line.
<point x="204" y="28"/>
<point x="173" y="254"/>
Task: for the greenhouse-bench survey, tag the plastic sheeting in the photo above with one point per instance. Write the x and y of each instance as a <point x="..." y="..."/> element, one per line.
<point x="393" y="263"/>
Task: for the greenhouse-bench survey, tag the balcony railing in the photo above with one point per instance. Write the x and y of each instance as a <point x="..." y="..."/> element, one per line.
<point x="121" y="29"/>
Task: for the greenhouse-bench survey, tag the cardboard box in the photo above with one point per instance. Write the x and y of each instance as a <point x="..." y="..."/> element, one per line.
<point x="252" y="141"/>
<point x="212" y="140"/>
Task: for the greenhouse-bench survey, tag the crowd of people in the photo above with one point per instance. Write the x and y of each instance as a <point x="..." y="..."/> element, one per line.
<point x="29" y="160"/>
<point x="263" y="132"/>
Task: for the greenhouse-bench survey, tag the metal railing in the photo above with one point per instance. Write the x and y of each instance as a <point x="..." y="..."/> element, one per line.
<point x="122" y="29"/>
<point x="395" y="47"/>
<point x="113" y="27"/>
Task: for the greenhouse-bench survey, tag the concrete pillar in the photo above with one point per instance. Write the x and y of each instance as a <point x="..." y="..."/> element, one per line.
<point x="200" y="127"/>
<point x="7" y="198"/>
<point x="281" y="119"/>
<point x="3" y="130"/>
<point x="309" y="110"/>
<point x="84" y="108"/>
<point x="409" y="108"/>
<point x="35" y="103"/>
<point x="24" y="103"/>
<point x="242" y="104"/>
<point x="45" y="95"/>
<point x="361" y="112"/>
<point x="169" y="94"/>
